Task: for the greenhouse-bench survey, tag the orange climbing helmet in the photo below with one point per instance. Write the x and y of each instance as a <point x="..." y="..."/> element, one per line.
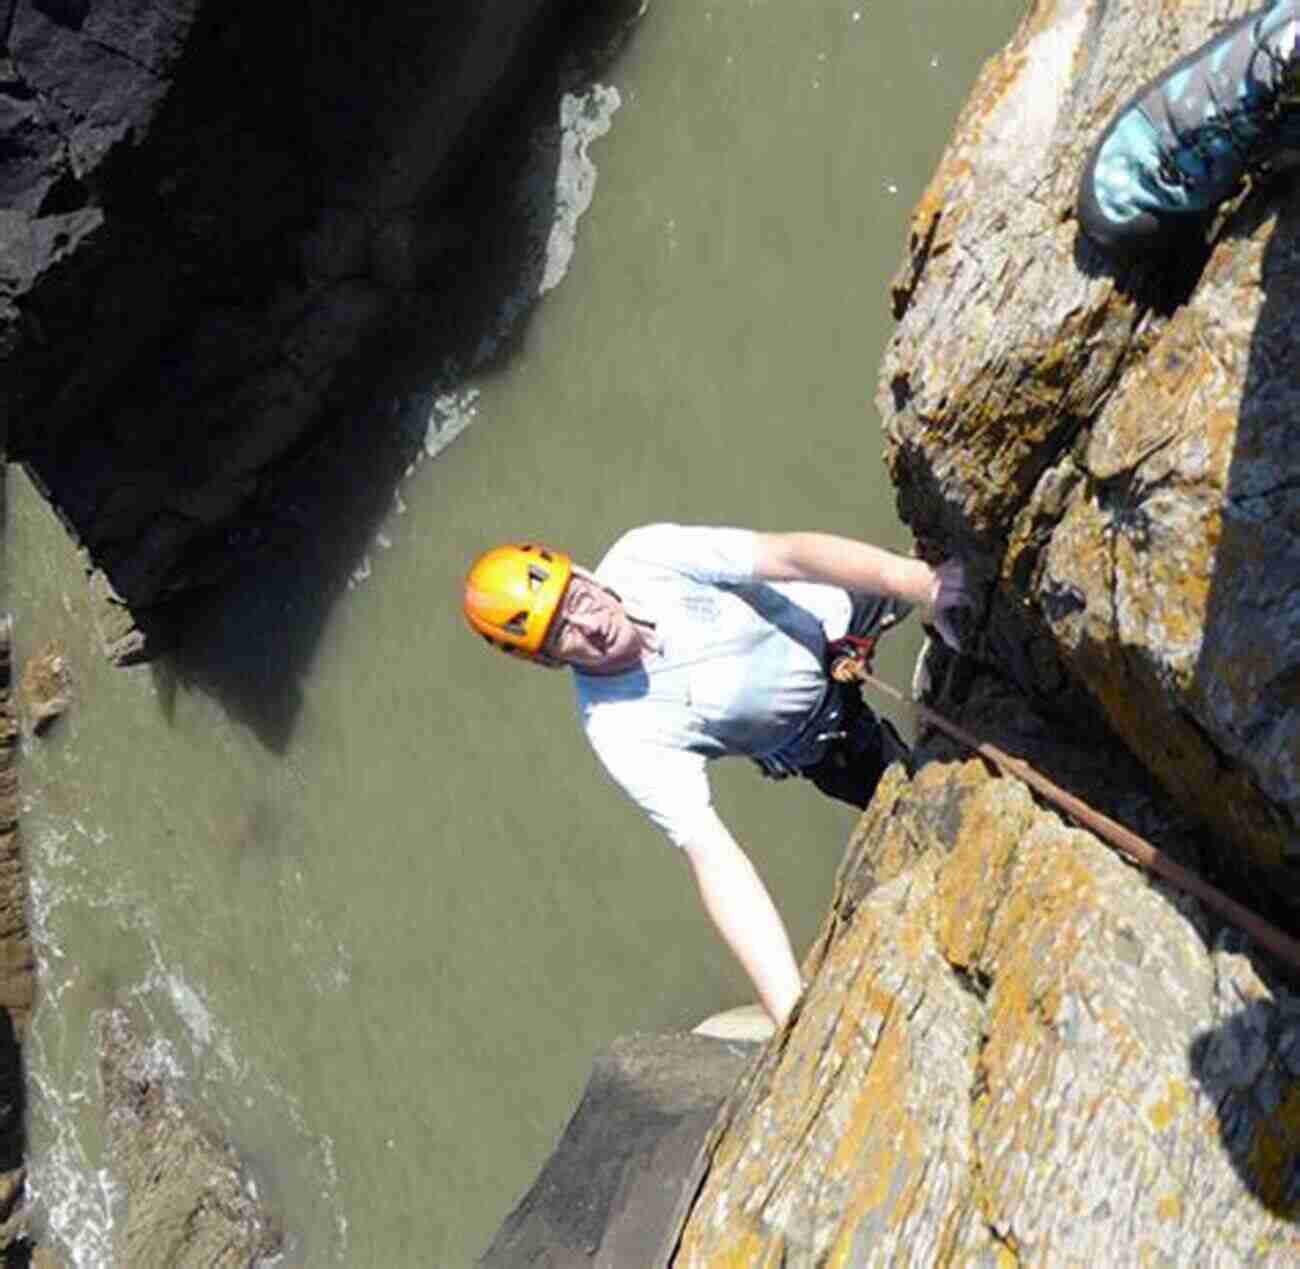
<point x="512" y="594"/>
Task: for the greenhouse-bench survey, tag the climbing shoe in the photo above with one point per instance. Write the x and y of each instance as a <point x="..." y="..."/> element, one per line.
<point x="1183" y="144"/>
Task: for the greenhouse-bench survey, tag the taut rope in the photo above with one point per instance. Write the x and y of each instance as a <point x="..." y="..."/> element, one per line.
<point x="1267" y="935"/>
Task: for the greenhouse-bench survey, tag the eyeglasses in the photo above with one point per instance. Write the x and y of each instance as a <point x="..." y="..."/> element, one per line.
<point x="580" y="596"/>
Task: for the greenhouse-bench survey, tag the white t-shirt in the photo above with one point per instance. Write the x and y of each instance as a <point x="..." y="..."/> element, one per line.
<point x="739" y="671"/>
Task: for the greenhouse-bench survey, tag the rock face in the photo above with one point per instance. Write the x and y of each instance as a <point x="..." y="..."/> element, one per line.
<point x="610" y="1193"/>
<point x="46" y="687"/>
<point x="17" y="972"/>
<point x="227" y="226"/>
<point x="188" y="1200"/>
<point x="1012" y="1051"/>
<point x="1115" y="444"/>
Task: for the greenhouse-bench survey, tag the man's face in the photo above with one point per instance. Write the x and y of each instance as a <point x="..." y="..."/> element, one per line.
<point x="592" y="630"/>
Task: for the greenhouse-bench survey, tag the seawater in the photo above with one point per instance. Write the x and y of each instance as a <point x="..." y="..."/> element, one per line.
<point x="379" y="944"/>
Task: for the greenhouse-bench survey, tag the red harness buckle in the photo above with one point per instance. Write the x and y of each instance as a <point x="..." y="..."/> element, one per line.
<point x="848" y="655"/>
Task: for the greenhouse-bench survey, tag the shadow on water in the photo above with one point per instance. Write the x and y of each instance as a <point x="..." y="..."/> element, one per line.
<point x="251" y="641"/>
<point x="1249" y="1067"/>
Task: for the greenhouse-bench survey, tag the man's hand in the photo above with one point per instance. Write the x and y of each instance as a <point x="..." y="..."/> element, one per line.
<point x="953" y="606"/>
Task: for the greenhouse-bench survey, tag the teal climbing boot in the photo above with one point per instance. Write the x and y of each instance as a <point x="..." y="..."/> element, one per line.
<point x="1183" y="144"/>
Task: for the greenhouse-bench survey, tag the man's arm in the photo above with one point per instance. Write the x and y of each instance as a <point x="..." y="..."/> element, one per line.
<point x="742" y="911"/>
<point x="670" y="785"/>
<point x="844" y="562"/>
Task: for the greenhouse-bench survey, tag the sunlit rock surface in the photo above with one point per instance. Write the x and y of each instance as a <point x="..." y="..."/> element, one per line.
<point x="1013" y="1050"/>
<point x="1115" y="444"/>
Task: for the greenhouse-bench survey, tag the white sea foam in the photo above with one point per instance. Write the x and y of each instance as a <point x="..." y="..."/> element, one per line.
<point x="449" y="415"/>
<point x="360" y="573"/>
<point x="584" y="118"/>
<point x="76" y="1205"/>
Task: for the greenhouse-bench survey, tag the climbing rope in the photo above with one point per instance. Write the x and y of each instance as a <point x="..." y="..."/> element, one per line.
<point x="1138" y="849"/>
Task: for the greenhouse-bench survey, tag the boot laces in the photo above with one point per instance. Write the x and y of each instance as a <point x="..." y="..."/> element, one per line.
<point x="1245" y="126"/>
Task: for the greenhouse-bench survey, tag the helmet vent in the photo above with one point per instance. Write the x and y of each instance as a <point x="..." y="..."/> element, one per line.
<point x="537" y="575"/>
<point x="517" y="625"/>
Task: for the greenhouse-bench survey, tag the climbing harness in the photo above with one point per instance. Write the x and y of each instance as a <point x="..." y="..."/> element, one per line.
<point x="837" y="715"/>
<point x="846" y="668"/>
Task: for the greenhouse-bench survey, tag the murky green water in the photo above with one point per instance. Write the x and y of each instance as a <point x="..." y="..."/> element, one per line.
<point x="382" y="945"/>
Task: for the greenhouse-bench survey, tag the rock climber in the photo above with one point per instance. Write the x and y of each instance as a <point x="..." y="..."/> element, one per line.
<point x="1175" y="151"/>
<point x="694" y="643"/>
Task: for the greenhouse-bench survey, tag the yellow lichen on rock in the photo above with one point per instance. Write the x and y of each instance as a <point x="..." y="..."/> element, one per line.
<point x="998" y="1055"/>
<point x="1166" y="1111"/>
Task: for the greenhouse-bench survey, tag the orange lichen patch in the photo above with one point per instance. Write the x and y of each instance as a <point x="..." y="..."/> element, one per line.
<point x="1166" y="597"/>
<point x="885" y="847"/>
<point x="866" y="1008"/>
<point x="1169" y="1107"/>
<point x="997" y="79"/>
<point x="928" y="217"/>
<point x="1273" y="1154"/>
<point x="1047" y="908"/>
<point x="1169" y="1207"/>
<point x="1179" y="756"/>
<point x="1039" y="932"/>
<point x="1219" y="430"/>
<point x="747" y="1249"/>
<point x="974" y="876"/>
<point x="835" y="1036"/>
<point x="914" y="937"/>
<point x="879" y="1151"/>
<point x="879" y="1131"/>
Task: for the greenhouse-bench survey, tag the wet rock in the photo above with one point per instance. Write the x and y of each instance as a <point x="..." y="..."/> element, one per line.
<point x="189" y="1201"/>
<point x="46" y="686"/>
<point x="17" y="972"/>
<point x="1113" y="445"/>
<point x="611" y="1192"/>
<point x="17" y="961"/>
<point x="121" y="636"/>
